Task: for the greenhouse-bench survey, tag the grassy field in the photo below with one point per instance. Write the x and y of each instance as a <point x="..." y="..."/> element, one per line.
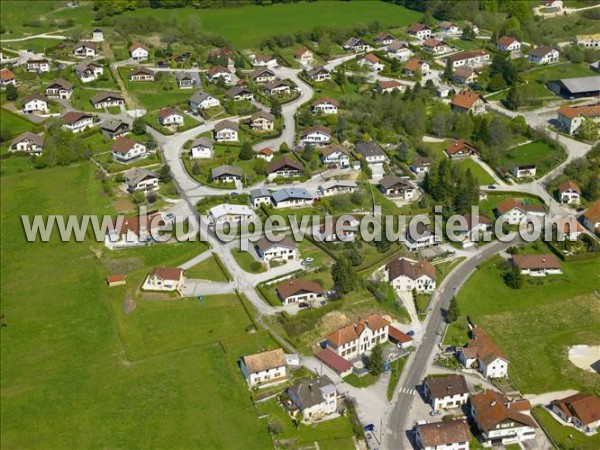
<point x="567" y="438"/>
<point x="527" y="328"/>
<point x="207" y="270"/>
<point x="482" y="177"/>
<point x="537" y="153"/>
<point x="232" y="23"/>
<point x="69" y="347"/>
<point x="245" y="260"/>
<point x="15" y="123"/>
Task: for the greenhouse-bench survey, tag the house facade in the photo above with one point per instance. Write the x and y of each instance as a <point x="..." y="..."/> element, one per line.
<point x="169" y="117"/>
<point x="393" y="186"/>
<point x="138" y="52"/>
<point x="405" y="275"/>
<point x="202" y="100"/>
<point x="60" y="89"/>
<point x="508" y="44"/>
<point x="88" y="71"/>
<point x="537" y="265"/>
<point x="77" y="121"/>
<point x="125" y="150"/>
<point x="336" y="187"/>
<point x="28" y="142"/>
<point x="165" y="279"/>
<point x="285" y="168"/>
<point x="202" y="148"/>
<point x="482" y="354"/>
<point x="473" y="59"/>
<point x="262" y="121"/>
<point x="581" y="410"/>
<point x="285" y="249"/>
<point x="226" y="131"/>
<point x="315" y="398"/>
<point x="570" y="117"/>
<point x="543" y="55"/>
<point x="372" y="153"/>
<point x="325" y="106"/>
<point x="35" y="104"/>
<point x="337" y="155"/>
<point x="264" y="369"/>
<point x="446" y="392"/>
<point x="85" y="50"/>
<point x="38" y="65"/>
<point x="419" y="30"/>
<point x="316" y="135"/>
<point x="358" y="339"/>
<point x="291" y="197"/>
<point x="569" y="193"/>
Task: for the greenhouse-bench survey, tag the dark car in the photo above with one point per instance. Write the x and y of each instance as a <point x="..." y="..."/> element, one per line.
<point x="410" y="333"/>
<point x="302" y="305"/>
<point x="492" y="186"/>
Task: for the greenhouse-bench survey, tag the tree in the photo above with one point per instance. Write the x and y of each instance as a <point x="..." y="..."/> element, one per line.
<point x="151" y="142"/>
<point x="164" y="174"/>
<point x="344" y="276"/>
<point x="11" y="92"/>
<point x="376" y="363"/>
<point x="588" y="130"/>
<point x="403" y="152"/>
<point x="468" y="34"/>
<point x="453" y="312"/>
<point x="395" y="65"/>
<point x="284" y="147"/>
<point x="308" y="152"/>
<point x="196" y="168"/>
<point x="355" y="257"/>
<point x="448" y="70"/>
<point x="513" y="278"/>
<point x="357" y="197"/>
<point x="139" y="126"/>
<point x="246" y="152"/>
<point x="275" y="107"/>
<point x="496" y="83"/>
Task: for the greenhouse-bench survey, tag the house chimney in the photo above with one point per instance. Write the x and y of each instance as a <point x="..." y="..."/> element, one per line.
<point x="310" y="387"/>
<point x="449" y="386"/>
<point x="493" y="403"/>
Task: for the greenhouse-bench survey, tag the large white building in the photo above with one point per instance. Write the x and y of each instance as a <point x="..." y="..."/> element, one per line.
<point x="406" y="275"/>
<point x="264" y="369"/>
<point x="228" y="213"/>
<point x="358" y="339"/>
<point x="315" y="398"/>
<point x="285" y="249"/>
<point x="446" y="392"/>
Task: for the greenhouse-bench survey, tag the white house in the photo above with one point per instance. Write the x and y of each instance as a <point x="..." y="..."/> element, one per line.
<point x="543" y="55"/>
<point x="291" y="197"/>
<point x="451" y="435"/>
<point x="476" y="226"/>
<point x="262" y="60"/>
<point x="448" y="27"/>
<point x="318" y="74"/>
<point x="435" y="46"/>
<point x="132" y="231"/>
<point x="138" y="52"/>
<point x="185" y="80"/>
<point x="226" y="131"/>
<point x="97" y="35"/>
<point x="140" y="179"/>
<point x="339" y="230"/>
<point x="581" y="410"/>
<point x="226" y="174"/>
<point x="141" y="74"/>
<point x="355" y="45"/>
<point x="588" y="40"/>
<point x="337" y="155"/>
<point x="406" y="275"/>
<point x="239" y="93"/>
<point x="28" y="142"/>
<point x="38" y="66"/>
<point x="399" y="50"/>
<point x="260" y="196"/>
<point x="335" y="187"/>
<point x="393" y="186"/>
<point x="304" y="56"/>
<point x="262" y="121"/>
<point x="537" y="265"/>
<point x="219" y="72"/>
<point x="325" y="105"/>
<point x="508" y="44"/>
<point x="264" y="369"/>
<point x="372" y="62"/>
<point x="446" y="391"/>
<point x="285" y="249"/>
<point x="88" y="71"/>
<point x="569" y="193"/>
<point x="285" y="167"/>
<point x="170" y="117"/>
<point x="77" y="121"/>
<point x="7" y="77"/>
<point x="553" y="5"/>
<point x="482" y="354"/>
<point x="372" y="153"/>
<point x="514" y="211"/>
<point x="125" y="150"/>
<point x="202" y="148"/>
<point x="415" y="67"/>
<point x="570" y="117"/>
<point x="203" y="100"/>
<point x="473" y="59"/>
<point x="232" y="214"/>
<point x="500" y="421"/>
<point x="60" y="89"/>
<point x="386" y="86"/>
<point x="35" y="104"/>
<point x="384" y="38"/>
<point x="263" y="75"/>
<point x="422" y="236"/>
<point x="591" y="217"/>
<point x="315" y="398"/>
<point x="265" y="153"/>
<point x="277" y="87"/>
<point x="296" y="290"/>
<point x="316" y="134"/>
<point x="419" y="31"/>
<point x="107" y="99"/>
<point x="358" y="339"/>
<point x="524" y="171"/>
<point x="166" y="279"/>
<point x="84" y="50"/>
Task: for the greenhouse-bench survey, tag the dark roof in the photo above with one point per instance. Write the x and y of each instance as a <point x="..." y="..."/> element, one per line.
<point x="308" y="391"/>
<point x="392" y="180"/>
<point x="410" y="269"/>
<point x="226" y="124"/>
<point x="264" y="244"/>
<point x="444" y="433"/>
<point x="369" y="149"/>
<point x="106" y="95"/>
<point x="123" y="145"/>
<point x="260" y="114"/>
<point x="540" y="51"/>
<point x="226" y="169"/>
<point x="285" y="162"/>
<point x="75" y="116"/>
<point x="64" y="84"/>
<point x="447" y="386"/>
<point x="296" y="286"/>
<point x="334" y="361"/>
<point x="37" y="139"/>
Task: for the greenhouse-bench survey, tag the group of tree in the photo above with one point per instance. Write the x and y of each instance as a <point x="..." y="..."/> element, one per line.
<point x="344" y="276"/>
<point x="584" y="172"/>
<point x="452" y="187"/>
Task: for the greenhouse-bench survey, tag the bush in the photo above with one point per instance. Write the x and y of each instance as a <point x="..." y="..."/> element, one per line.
<point x="255" y="266"/>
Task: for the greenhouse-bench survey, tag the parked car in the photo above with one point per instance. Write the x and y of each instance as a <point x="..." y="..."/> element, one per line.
<point x="492" y="186"/>
<point x="435" y="412"/>
<point x="303" y="305"/>
<point x="410" y="333"/>
<point x="170" y="217"/>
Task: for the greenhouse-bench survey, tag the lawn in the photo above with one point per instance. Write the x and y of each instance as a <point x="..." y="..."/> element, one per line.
<point x="247" y="262"/>
<point x="232" y="23"/>
<point x="15" y="123"/>
<point x="483" y="178"/>
<point x="68" y="347"/>
<point x="526" y="326"/>
<point x="567" y="438"/>
<point x="208" y="269"/>
<point x="361" y="382"/>
<point x="537" y="153"/>
<point x="457" y="333"/>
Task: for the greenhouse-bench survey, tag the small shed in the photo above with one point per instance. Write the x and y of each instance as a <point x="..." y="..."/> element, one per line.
<point x="116" y="280"/>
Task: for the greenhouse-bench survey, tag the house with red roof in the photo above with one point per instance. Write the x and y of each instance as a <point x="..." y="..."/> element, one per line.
<point x="406" y="275"/>
<point x="581" y="410"/>
<point x="138" y="52"/>
<point x="482" y="354"/>
<point x="460" y="149"/>
<point x="468" y="101"/>
<point x="570" y="117"/>
<point x="358" y="338"/>
<point x="304" y="56"/>
<point x="569" y="193"/>
<point x="372" y="62"/>
<point x="508" y="44"/>
<point x="164" y="279"/>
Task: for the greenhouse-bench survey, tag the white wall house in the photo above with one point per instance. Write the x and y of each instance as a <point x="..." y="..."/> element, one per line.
<point x="570" y="117"/>
<point x="569" y="193"/>
<point x="316" y="135"/>
<point x="232" y="214"/>
<point x="28" y="142"/>
<point x="543" y="55"/>
<point x="315" y="398"/>
<point x="358" y="339"/>
<point x="138" y="52"/>
<point x="483" y="354"/>
<point x="446" y="392"/>
<point x="88" y="71"/>
<point x="35" y="104"/>
<point x="264" y="369"/>
<point x="226" y="131"/>
<point x="202" y="100"/>
<point x="406" y="275"/>
<point x="164" y="279"/>
<point x="581" y="410"/>
<point x="202" y="148"/>
<point x="325" y="106"/>
<point x="170" y="117"/>
<point x="138" y="179"/>
<point x="285" y="249"/>
<point x="77" y="121"/>
<point x="126" y="150"/>
<point x="297" y="290"/>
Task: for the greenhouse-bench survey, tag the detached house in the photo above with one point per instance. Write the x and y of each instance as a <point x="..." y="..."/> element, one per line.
<point x="88" y="71"/>
<point x="460" y="149"/>
<point x="141" y="74"/>
<point x="318" y="74"/>
<point x="260" y="196"/>
<point x="482" y="354"/>
<point x="6" y="78"/>
<point x="60" y="89"/>
<point x="524" y="171"/>
<point x="277" y="87"/>
<point x="501" y="421"/>
<point x="226" y="174"/>
<point x="262" y="121"/>
<point x="291" y="197"/>
<point x="468" y="101"/>
<point x="384" y="38"/>
<point x="286" y="168"/>
<point x="232" y="214"/>
<point x="416" y="67"/>
<point x="125" y="150"/>
<point x="588" y="40"/>
<point x="435" y="46"/>
<point x="393" y="186"/>
<point x="226" y="131"/>
<point x="262" y="60"/>
<point x="202" y="100"/>
<point x="475" y="227"/>
<point x="387" y="86"/>
<point x="264" y="369"/>
<point x="337" y="155"/>
<point x="97" y="35"/>
<point x="304" y="56"/>
<point x="185" y="80"/>
<point x="316" y="135"/>
<point x="139" y="179"/>
<point x="138" y="52"/>
<point x="355" y="45"/>
<point x="569" y="193"/>
<point x="202" y="148"/>
<point x="339" y="230"/>
<point x="537" y="265"/>
<point x="405" y="275"/>
<point x="419" y="31"/>
<point x="372" y="62"/>
<point x="219" y="72"/>
<point x="85" y="50"/>
<point x="473" y="59"/>
<point x="371" y="152"/>
<point x="285" y="249"/>
<point x="355" y="340"/>
<point x="581" y="410"/>
<point x="508" y="44"/>
<point x="421" y="236"/>
<point x="314" y="399"/>
<point x="77" y="121"/>
<point x="107" y="99"/>
<point x="297" y="290"/>
<point x="325" y="105"/>
<point x="35" y="103"/>
<point x="133" y="231"/>
<point x="239" y="93"/>
<point x="591" y="217"/>
<point x="113" y="128"/>
<point x="263" y="76"/>
<point x="399" y="50"/>
<point x="421" y="165"/>
<point x="514" y="211"/>
<point x="166" y="279"/>
<point x="28" y="142"/>
<point x="38" y="65"/>
<point x="543" y="55"/>
<point x="464" y="76"/>
<point x="170" y="117"/>
<point x="452" y="435"/>
<point x="446" y="392"/>
<point x="570" y="117"/>
<point x="265" y="153"/>
<point x="448" y="27"/>
<point x="335" y="187"/>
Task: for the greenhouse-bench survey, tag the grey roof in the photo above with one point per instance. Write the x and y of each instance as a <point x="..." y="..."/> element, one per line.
<point x="582" y="84"/>
<point x="199" y="97"/>
<point x="309" y="393"/>
<point x="183" y="76"/>
<point x="260" y="192"/>
<point x="142" y="70"/>
<point x="315" y="70"/>
<point x="64" y="84"/>
<point x="226" y="169"/>
<point x="137" y="174"/>
<point x="540" y="51"/>
<point x="226" y="124"/>
<point x="113" y="124"/>
<point x="237" y="90"/>
<point x="264" y="244"/>
<point x="203" y="142"/>
<point x="338" y="183"/>
<point x="35" y="138"/>
<point x="105" y="95"/>
<point x="288" y="193"/>
<point x="275" y="84"/>
<point x="369" y="149"/>
<point x="263" y="114"/>
<point x="392" y="180"/>
<point x="258" y="72"/>
<point x="84" y="65"/>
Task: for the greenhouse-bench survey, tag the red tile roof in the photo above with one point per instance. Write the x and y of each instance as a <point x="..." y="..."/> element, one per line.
<point x="505" y="41"/>
<point x="168" y="111"/>
<point x="413" y="65"/>
<point x="444" y="433"/>
<point x="467" y="55"/>
<point x="115" y="278"/>
<point x="334" y="361"/>
<point x="483" y="347"/>
<point x="593" y="212"/>
<point x="508" y="204"/>
<point x="296" y="286"/>
<point x="535" y="262"/>
<point x="494" y="408"/>
<point x="573" y="111"/>
<point x="388" y="84"/>
<point x="351" y="332"/>
<point x="586" y="407"/>
<point x="6" y="74"/>
<point x="168" y="273"/>
<point x="410" y="269"/>
<point x="137" y="45"/>
<point x="460" y="146"/>
<point x="399" y="336"/>
<point x="122" y="145"/>
<point x="466" y="99"/>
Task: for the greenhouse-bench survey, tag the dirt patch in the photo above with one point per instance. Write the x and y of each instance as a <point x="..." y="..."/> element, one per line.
<point x="129" y="305"/>
<point x="586" y="357"/>
<point x="124" y="265"/>
<point x="122" y="205"/>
